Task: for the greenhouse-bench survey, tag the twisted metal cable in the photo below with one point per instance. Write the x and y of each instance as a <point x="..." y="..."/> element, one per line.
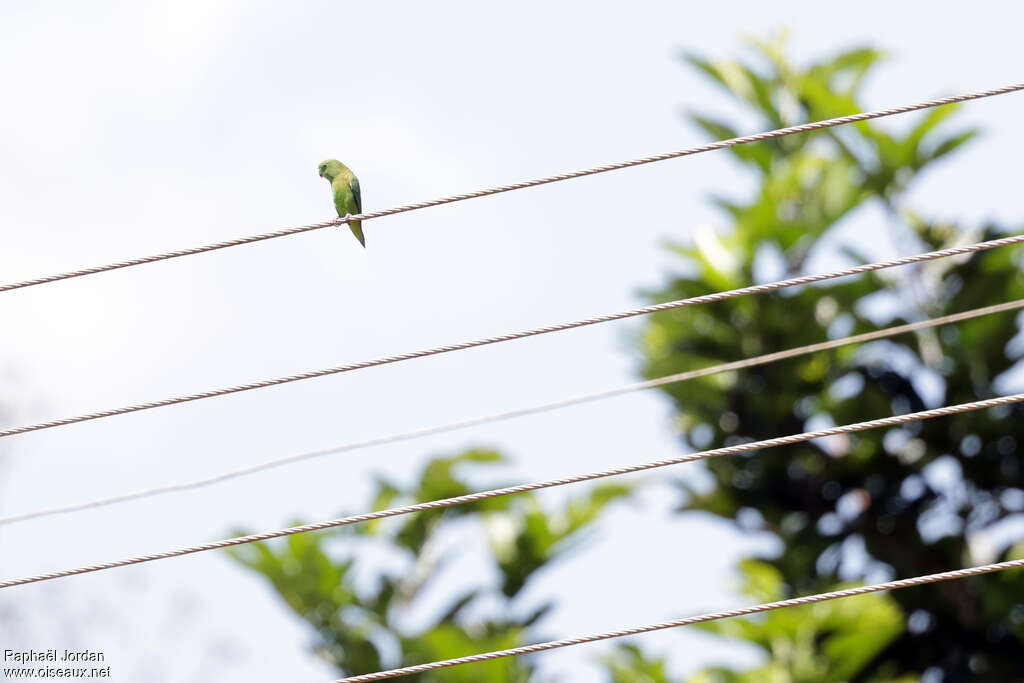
<point x="523" y="488"/>
<point x="520" y="412"/>
<point x="560" y="327"/>
<point x="686" y="621"/>
<point x="723" y="144"/>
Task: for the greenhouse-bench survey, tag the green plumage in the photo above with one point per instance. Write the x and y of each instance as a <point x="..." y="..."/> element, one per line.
<point x="347" y="199"/>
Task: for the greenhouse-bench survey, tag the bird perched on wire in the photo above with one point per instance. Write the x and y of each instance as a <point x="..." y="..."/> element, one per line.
<point x="345" y="187"/>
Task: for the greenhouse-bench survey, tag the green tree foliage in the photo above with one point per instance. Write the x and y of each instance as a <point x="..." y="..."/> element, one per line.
<point x="915" y="499"/>
<point x="822" y="643"/>
<point x="359" y="608"/>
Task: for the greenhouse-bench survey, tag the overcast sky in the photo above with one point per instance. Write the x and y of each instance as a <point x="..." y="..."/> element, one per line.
<point x="134" y="128"/>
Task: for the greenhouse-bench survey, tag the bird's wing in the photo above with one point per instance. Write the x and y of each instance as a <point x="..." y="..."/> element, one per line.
<point x="353" y="184"/>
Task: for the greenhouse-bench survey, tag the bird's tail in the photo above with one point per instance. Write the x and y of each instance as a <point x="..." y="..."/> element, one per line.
<point x="357" y="230"/>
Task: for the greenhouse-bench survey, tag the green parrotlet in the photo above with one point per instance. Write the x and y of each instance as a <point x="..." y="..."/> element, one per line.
<point x="345" y="187"/>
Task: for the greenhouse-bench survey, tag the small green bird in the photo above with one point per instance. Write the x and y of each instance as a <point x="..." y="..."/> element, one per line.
<point x="347" y="199"/>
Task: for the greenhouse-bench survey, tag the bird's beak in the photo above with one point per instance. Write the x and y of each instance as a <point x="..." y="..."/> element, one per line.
<point x="321" y="173"/>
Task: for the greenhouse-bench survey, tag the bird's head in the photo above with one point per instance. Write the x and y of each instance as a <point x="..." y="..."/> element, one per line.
<point x="330" y="169"/>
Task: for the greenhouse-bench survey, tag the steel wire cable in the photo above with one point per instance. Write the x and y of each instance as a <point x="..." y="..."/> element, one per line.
<point x="560" y="327"/>
<point x="686" y="621"/>
<point x="523" y="488"/>
<point x="723" y="144"/>
<point x="520" y="412"/>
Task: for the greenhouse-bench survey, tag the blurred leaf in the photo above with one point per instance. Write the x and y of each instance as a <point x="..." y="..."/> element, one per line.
<point x="526" y="538"/>
<point x="756" y="153"/>
<point x="628" y="664"/>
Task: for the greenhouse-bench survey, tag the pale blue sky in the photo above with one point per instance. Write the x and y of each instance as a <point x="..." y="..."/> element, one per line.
<point x="134" y="128"/>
